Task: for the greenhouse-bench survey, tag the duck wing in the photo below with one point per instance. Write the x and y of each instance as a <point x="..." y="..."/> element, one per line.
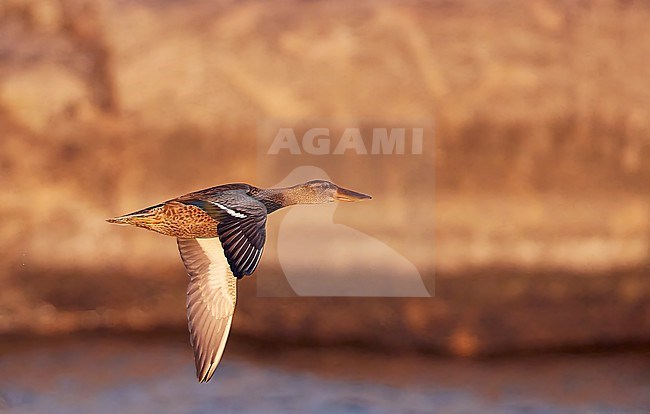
<point x="211" y="298"/>
<point x="241" y="227"/>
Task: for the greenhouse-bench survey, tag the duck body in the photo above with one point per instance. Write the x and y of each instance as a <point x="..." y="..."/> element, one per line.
<point x="193" y="215"/>
<point x="220" y="233"/>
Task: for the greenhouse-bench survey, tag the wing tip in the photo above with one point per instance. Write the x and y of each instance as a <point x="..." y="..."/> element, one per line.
<point x="204" y="375"/>
<point x="204" y="380"/>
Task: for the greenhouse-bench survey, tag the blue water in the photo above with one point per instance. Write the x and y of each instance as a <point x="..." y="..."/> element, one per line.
<point x="147" y="376"/>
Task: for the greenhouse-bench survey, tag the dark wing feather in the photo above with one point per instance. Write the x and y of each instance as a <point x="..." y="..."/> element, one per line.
<point x="243" y="243"/>
<point x="241" y="228"/>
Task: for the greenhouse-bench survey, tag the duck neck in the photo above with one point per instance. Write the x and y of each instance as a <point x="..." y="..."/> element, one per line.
<point x="277" y="198"/>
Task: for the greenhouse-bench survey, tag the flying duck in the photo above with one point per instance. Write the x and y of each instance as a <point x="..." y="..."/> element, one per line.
<point x="220" y="233"/>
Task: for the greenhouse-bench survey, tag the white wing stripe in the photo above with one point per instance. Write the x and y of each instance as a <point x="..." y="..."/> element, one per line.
<point x="229" y="210"/>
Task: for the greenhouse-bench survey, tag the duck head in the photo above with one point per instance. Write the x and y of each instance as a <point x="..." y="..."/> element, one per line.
<point x="323" y="191"/>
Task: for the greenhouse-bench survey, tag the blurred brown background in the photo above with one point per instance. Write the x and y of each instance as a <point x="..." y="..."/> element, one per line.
<point x="539" y="211"/>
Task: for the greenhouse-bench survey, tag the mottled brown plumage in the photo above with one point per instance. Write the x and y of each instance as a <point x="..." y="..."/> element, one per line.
<point x="221" y="233"/>
<point x="173" y="219"/>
